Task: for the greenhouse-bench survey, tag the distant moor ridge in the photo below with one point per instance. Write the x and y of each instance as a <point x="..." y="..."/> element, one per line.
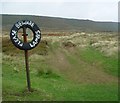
<point x="60" y="24"/>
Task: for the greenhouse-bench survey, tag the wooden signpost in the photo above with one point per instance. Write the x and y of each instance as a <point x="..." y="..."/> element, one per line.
<point x="24" y="24"/>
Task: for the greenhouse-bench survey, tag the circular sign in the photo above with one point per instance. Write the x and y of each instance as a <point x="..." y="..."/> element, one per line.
<point x="27" y="24"/>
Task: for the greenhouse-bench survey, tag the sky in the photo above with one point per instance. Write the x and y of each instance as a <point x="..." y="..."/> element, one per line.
<point x="97" y="10"/>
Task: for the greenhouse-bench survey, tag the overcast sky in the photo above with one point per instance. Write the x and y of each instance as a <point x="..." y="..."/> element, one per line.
<point x="97" y="10"/>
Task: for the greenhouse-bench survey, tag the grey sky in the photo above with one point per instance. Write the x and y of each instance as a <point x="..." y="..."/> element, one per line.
<point x="84" y="9"/>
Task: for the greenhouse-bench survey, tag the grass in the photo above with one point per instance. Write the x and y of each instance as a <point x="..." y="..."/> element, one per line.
<point x="11" y="50"/>
<point x="60" y="74"/>
<point x="52" y="88"/>
<point x="110" y="64"/>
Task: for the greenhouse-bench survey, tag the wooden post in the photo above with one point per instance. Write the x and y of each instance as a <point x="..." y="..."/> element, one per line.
<point x="26" y="60"/>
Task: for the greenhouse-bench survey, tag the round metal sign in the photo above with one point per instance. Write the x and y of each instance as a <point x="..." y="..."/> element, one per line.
<point x="18" y="42"/>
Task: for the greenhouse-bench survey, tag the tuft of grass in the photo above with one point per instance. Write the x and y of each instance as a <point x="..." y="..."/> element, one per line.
<point x="47" y="73"/>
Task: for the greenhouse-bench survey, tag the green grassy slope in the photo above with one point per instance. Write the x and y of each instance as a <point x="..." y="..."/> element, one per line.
<point x="59" y="73"/>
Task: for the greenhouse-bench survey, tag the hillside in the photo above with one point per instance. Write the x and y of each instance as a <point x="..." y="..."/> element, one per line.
<point x="60" y="24"/>
<point x="78" y="67"/>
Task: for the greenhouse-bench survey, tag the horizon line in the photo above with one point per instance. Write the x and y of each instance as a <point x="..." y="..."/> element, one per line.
<point x="58" y="17"/>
